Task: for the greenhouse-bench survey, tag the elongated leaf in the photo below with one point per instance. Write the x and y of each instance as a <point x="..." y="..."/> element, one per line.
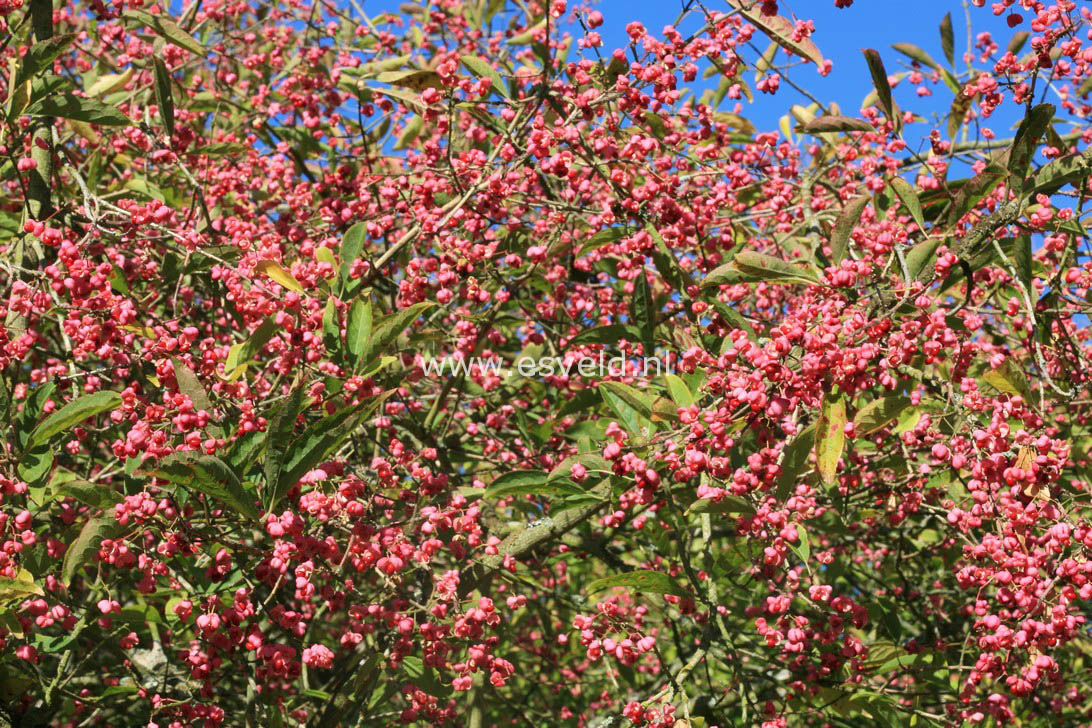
<point x="206" y="474"/>
<point x="628" y="416"/>
<point x="1023" y="261"/>
<point x="803" y="547"/>
<point x="883" y="86"/>
<point x="164" y="96"/>
<point x="481" y="68"/>
<point x="410" y="133"/>
<point x="387" y="329"/>
<point x="878" y="413"/>
<point x="525" y="482"/>
<point x="680" y="392"/>
<point x="1029" y="133"/>
<point x="331" y="332"/>
<point x="73" y="413"/>
<point x="18" y="589"/>
<point x="909" y="198"/>
<point x="779" y="29"/>
<point x="795" y="461"/>
<point x="241" y="353"/>
<point x="602" y="238"/>
<point x="610" y="334"/>
<point x="278" y="435"/>
<point x="920" y="258"/>
<point x="1008" y="379"/>
<point x="639" y="401"/>
<point x="843" y="226"/>
<point x="81" y="551"/>
<point x="40" y="56"/>
<point x="278" y="273"/>
<point x="317" y="442"/>
<point x="70" y="106"/>
<point x="527" y="36"/>
<point x="352" y="245"/>
<point x="912" y="51"/>
<point x="594" y="462"/>
<point x="728" y="504"/>
<point x="359" y="330"/>
<point x="414" y="79"/>
<point x="168" y="30"/>
<point x="96" y="495"/>
<point x="750" y="267"/>
<point x="830" y="437"/>
<point x="947" y="39"/>
<point x="109" y="83"/>
<point x="643" y="312"/>
<point x="824" y="124"/>
<point x="190" y="385"/>
<point x="650" y="582"/>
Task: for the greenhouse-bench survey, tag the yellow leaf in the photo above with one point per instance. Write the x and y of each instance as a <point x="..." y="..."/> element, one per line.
<point x="109" y="83"/>
<point x="278" y="274"/>
<point x="830" y="437"/>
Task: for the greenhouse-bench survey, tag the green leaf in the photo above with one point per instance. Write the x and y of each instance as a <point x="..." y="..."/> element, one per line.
<point x="639" y="401"/>
<point x="190" y="385"/>
<point x="679" y="391"/>
<point x="1023" y="261"/>
<point x="39" y="57"/>
<point x="728" y="504"/>
<point x="912" y="51"/>
<point x="920" y="257"/>
<point x="70" y="106"/>
<point x="81" y="551"/>
<point x="651" y="582"/>
<point x="387" y="329"/>
<point x="96" y="495"/>
<point x="1008" y="379"/>
<point x="795" y="461"/>
<point x="593" y="461"/>
<point x="1028" y="134"/>
<point x="610" y="334"/>
<point x="481" y="68"/>
<point x="206" y="474"/>
<point x="19" y="588"/>
<point x="825" y="124"/>
<point x="168" y="30"/>
<point x="629" y="417"/>
<point x="643" y="312"/>
<point x="750" y="267"/>
<point x="779" y="29"/>
<point x="352" y="246"/>
<point x="909" y="198"/>
<point x="947" y="39"/>
<point x="331" y="331"/>
<point x="603" y="237"/>
<point x="164" y="97"/>
<point x="359" y="330"/>
<point x="240" y="354"/>
<point x="73" y="413"/>
<point x="830" y="437"/>
<point x="803" y="548"/>
<point x="317" y="442"/>
<point x="35" y="464"/>
<point x="883" y="87"/>
<point x="878" y="413"/>
<point x="279" y="432"/>
<point x="522" y="482"/>
<point x="843" y="226"/>
<point x="409" y="133"/>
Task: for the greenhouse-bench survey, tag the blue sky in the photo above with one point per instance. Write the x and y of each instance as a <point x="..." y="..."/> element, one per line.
<point x="840" y="35"/>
